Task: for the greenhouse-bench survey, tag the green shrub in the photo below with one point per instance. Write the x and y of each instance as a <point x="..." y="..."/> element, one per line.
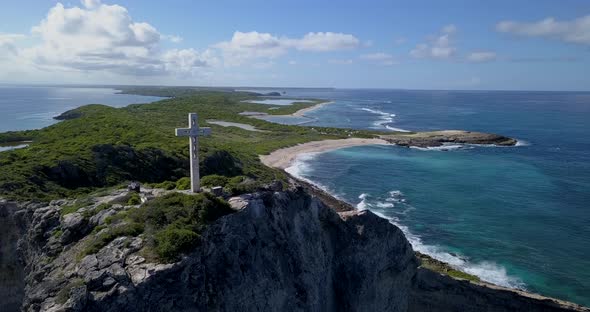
<point x="134" y="199"/>
<point x="214" y="180"/>
<point x="170" y="242"/>
<point x="183" y="184"/>
<point x="240" y="185"/>
<point x="173" y="217"/>
<point x="167" y="185"/>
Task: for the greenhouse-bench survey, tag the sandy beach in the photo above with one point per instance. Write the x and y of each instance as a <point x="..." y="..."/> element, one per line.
<point x="301" y="112"/>
<point x="283" y="158"/>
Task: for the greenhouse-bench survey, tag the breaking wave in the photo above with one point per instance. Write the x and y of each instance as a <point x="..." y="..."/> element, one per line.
<point x="395" y="204"/>
<point x="384" y="119"/>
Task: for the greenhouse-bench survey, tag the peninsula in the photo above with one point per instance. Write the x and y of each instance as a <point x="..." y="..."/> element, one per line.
<point x="87" y="243"/>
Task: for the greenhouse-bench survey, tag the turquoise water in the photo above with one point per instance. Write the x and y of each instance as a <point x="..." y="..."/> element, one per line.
<point x="515" y="216"/>
<point x="26" y="107"/>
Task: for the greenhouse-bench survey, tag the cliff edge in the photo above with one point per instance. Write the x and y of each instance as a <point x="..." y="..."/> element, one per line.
<point x="280" y="251"/>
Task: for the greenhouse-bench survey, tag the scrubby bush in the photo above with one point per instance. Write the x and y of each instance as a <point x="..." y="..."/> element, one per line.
<point x="167" y="185"/>
<point x="214" y="180"/>
<point x="170" y="242"/>
<point x="175" y="221"/>
<point x="134" y="199"/>
<point x="183" y="184"/>
<point x="240" y="185"/>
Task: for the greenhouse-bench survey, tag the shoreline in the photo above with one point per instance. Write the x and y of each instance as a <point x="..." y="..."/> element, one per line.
<point x="285" y="157"/>
<point x="301" y="112"/>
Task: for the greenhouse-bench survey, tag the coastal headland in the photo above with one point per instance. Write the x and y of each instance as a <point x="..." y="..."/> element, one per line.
<point x="85" y="241"/>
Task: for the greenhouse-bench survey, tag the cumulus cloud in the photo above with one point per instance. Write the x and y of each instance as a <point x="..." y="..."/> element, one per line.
<point x="8" y="44"/>
<point x="572" y="31"/>
<point x="481" y="56"/>
<point x="379" y="58"/>
<point x="324" y="41"/>
<point x="440" y="46"/>
<point x="245" y="46"/>
<point x="97" y="36"/>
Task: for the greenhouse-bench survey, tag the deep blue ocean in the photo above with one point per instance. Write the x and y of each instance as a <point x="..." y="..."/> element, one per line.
<point x="515" y="216"/>
<point x="26" y="107"/>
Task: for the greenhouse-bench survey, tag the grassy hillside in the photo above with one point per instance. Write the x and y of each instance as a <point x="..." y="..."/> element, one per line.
<point x="103" y="146"/>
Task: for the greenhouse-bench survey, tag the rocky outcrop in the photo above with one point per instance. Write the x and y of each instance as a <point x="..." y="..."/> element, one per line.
<point x="281" y="251"/>
<point x="11" y="269"/>
<point x="439" y="138"/>
<point x="433" y="292"/>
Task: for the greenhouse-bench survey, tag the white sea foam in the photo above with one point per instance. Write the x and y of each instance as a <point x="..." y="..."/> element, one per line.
<point x="522" y="143"/>
<point x="384" y="119"/>
<point x="444" y="147"/>
<point x="300" y="168"/>
<point x="486" y="270"/>
<point x="396" y="203"/>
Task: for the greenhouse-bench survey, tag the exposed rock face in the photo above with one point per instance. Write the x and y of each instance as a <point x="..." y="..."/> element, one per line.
<point x="11" y="270"/>
<point x="439" y="138"/>
<point x="282" y="251"/>
<point x="433" y="292"/>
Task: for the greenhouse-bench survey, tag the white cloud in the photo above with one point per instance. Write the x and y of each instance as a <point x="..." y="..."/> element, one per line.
<point x="245" y="46"/>
<point x="8" y="44"/>
<point x="379" y="58"/>
<point x="340" y="61"/>
<point x="324" y="41"/>
<point x="104" y="37"/>
<point x="481" y="56"/>
<point x="440" y="46"/>
<point x="571" y="31"/>
<point x="251" y="45"/>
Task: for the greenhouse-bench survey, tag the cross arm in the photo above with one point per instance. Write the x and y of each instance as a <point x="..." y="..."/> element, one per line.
<point x="193" y="132"/>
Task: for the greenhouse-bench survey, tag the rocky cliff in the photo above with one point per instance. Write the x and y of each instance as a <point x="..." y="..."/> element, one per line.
<point x="281" y="251"/>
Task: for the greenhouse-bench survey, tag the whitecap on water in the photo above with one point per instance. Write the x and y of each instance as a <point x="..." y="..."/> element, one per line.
<point x="486" y="270"/>
<point x="384" y="119"/>
<point x="300" y="168"/>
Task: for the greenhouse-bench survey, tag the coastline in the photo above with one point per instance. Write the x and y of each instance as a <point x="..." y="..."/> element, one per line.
<point x="285" y="157"/>
<point x="301" y="112"/>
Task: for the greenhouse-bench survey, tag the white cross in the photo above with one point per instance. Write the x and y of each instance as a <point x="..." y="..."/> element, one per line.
<point x="193" y="132"/>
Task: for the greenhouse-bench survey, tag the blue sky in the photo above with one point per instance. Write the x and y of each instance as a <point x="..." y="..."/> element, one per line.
<point x="508" y="45"/>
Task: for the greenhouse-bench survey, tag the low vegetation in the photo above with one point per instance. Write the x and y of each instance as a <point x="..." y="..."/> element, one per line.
<point x="444" y="268"/>
<point x="171" y="224"/>
<point x="101" y="146"/>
